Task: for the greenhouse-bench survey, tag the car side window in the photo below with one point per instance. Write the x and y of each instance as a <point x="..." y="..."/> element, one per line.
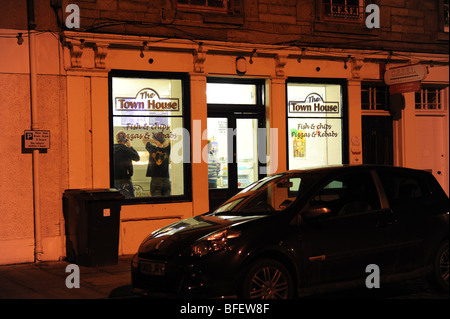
<point x="348" y="194"/>
<point x="403" y="189"/>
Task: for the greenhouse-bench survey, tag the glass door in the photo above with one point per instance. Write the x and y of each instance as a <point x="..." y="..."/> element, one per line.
<point x="233" y="161"/>
<point x="217" y="153"/>
<point x="246" y="151"/>
<point x="235" y="125"/>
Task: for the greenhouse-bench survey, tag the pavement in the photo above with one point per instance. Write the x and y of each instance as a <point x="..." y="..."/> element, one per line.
<point x="106" y="290"/>
<point x="47" y="280"/>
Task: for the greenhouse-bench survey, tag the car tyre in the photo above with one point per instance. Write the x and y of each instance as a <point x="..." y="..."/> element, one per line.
<point x="267" y="279"/>
<point x="439" y="276"/>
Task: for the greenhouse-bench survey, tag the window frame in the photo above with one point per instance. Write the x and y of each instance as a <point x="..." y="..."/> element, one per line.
<point x="371" y="87"/>
<point x="423" y="105"/>
<point x="186" y="124"/>
<point x="344" y="111"/>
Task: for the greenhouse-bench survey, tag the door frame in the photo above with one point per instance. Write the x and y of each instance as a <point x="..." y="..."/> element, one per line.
<point x="233" y="112"/>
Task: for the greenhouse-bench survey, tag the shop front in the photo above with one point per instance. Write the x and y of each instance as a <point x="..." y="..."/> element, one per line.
<point x="179" y="127"/>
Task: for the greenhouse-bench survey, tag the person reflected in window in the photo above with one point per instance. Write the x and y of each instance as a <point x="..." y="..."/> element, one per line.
<point x="213" y="167"/>
<point x="158" y="164"/>
<point x="124" y="154"/>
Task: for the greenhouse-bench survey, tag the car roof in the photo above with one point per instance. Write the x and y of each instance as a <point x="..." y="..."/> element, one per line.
<point x="350" y="168"/>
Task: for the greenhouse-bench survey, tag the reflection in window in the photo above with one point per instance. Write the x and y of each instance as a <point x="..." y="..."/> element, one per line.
<point x="350" y="194"/>
<point x="269" y="195"/>
<point x="403" y="189"/>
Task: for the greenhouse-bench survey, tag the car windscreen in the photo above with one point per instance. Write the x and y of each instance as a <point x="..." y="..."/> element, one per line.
<point x="267" y="196"/>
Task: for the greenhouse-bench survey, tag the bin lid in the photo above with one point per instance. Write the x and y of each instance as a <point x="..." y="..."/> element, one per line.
<point x="95" y="193"/>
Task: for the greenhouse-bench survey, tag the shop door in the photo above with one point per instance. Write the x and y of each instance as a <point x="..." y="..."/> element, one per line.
<point x="236" y="136"/>
<point x="377" y="135"/>
<point x="232" y="155"/>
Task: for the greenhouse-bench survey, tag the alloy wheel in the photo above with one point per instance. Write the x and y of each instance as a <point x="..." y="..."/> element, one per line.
<point x="444" y="266"/>
<point x="269" y="283"/>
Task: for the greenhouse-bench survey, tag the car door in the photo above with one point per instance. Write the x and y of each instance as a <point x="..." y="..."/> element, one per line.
<point x="413" y="203"/>
<point x="339" y="245"/>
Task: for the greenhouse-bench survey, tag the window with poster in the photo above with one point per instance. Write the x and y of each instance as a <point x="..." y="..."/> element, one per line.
<point x="315" y="123"/>
<point x="149" y="135"/>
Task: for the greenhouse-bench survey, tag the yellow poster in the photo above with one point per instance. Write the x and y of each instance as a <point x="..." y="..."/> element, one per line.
<point x="299" y="147"/>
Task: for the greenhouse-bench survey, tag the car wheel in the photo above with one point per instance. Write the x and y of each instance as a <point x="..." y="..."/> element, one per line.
<point x="267" y="279"/>
<point x="440" y="268"/>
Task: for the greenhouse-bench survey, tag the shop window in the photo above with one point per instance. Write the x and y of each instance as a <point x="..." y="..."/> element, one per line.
<point x="343" y="10"/>
<point x="149" y="135"/>
<point x="374" y="97"/>
<point x="429" y="98"/>
<point x="315" y="124"/>
<point x="206" y="5"/>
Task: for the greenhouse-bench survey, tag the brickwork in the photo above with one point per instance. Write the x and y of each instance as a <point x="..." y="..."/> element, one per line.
<point x="410" y="25"/>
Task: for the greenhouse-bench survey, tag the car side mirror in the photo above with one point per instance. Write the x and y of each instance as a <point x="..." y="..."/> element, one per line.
<point x="315" y="212"/>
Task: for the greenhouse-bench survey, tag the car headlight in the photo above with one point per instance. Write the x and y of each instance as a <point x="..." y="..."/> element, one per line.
<point x="135" y="261"/>
<point x="213" y="242"/>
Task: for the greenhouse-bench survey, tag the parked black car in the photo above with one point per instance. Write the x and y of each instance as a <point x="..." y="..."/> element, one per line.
<point x="303" y="232"/>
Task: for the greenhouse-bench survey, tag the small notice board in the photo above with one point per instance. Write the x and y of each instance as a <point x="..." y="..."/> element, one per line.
<point x="37" y="139"/>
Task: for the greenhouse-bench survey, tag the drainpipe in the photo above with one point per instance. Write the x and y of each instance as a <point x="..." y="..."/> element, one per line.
<point x="34" y="126"/>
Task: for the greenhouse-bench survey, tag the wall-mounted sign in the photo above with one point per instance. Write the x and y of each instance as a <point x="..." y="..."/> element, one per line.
<point x="405" y="87"/>
<point x="405" y="74"/>
<point x="37" y="139"/>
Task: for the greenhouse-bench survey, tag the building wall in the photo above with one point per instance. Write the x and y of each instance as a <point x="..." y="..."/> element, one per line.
<point x="404" y="24"/>
<point x="16" y="182"/>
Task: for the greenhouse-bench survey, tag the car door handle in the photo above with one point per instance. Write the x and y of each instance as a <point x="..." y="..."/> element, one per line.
<point x="317" y="258"/>
<point x="384" y="223"/>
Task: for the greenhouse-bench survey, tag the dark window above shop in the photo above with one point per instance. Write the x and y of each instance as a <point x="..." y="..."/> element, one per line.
<point x="224" y="6"/>
<point x="343" y="10"/>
